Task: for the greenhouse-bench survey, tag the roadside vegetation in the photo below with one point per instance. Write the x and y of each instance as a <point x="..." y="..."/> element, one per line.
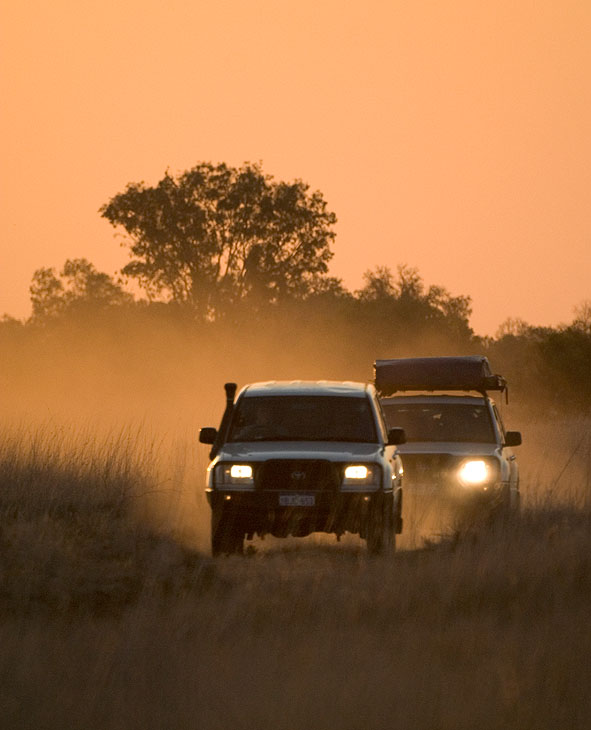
<point x="113" y="615"/>
<point x="78" y="530"/>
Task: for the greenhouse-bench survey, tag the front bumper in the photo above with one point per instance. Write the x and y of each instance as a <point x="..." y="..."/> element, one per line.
<point x="453" y="492"/>
<point x="299" y="513"/>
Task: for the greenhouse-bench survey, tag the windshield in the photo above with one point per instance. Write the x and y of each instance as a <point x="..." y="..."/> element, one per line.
<point x="303" y="418"/>
<point x="441" y="421"/>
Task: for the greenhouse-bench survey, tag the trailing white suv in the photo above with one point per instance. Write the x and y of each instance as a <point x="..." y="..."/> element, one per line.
<point x="457" y="450"/>
<point x="292" y="458"/>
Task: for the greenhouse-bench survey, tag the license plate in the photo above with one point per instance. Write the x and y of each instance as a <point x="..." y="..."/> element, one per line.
<point x="297" y="500"/>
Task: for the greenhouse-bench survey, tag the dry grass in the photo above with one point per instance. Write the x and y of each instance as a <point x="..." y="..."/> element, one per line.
<point x="111" y="618"/>
<point x="77" y="527"/>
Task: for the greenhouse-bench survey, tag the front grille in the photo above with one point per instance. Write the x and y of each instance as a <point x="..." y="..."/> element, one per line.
<point x="429" y="468"/>
<point x="298" y="475"/>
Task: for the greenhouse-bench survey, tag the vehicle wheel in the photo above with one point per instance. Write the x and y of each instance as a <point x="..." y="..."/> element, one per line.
<point x="512" y="510"/>
<point x="227" y="535"/>
<point x="381" y="538"/>
<point x="515" y="504"/>
<point x="507" y="510"/>
<point x="398" y="520"/>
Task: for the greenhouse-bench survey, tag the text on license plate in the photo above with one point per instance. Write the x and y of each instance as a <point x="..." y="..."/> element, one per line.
<point x="297" y="500"/>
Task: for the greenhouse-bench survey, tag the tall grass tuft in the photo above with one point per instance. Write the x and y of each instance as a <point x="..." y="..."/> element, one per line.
<point x="71" y="536"/>
<point x="55" y="470"/>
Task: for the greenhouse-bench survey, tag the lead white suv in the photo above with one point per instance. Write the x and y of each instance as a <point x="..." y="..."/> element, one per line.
<point x="457" y="450"/>
<point x="292" y="458"/>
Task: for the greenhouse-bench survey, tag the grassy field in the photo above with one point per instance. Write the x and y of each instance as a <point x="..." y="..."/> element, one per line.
<point x="113" y="615"/>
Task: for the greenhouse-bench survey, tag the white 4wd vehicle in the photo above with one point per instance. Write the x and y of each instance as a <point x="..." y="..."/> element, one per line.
<point x="292" y="458"/>
<point x="457" y="449"/>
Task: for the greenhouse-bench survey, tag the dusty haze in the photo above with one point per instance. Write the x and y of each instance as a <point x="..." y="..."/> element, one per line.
<point x="158" y="378"/>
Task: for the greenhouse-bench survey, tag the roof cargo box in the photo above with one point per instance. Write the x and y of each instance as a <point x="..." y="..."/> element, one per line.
<point x="436" y="373"/>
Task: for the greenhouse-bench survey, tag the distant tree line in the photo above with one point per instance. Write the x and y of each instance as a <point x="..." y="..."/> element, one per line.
<point x="224" y="249"/>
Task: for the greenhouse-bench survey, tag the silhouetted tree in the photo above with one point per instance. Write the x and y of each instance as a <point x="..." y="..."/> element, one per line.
<point x="78" y="286"/>
<point x="582" y="319"/>
<point x="216" y="235"/>
<point x="379" y="285"/>
<point x="512" y="327"/>
<point x="405" y="301"/>
<point x="565" y="354"/>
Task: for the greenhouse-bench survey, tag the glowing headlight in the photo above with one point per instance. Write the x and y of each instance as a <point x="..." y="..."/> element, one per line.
<point x="356" y="472"/>
<point x="228" y="474"/>
<point x="241" y="471"/>
<point x="361" y="474"/>
<point x="475" y="472"/>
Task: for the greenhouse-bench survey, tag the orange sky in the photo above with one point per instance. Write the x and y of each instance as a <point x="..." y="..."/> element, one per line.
<point x="450" y="135"/>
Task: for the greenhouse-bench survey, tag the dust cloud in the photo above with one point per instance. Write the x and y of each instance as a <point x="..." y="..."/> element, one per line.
<point x="158" y="378"/>
<point x="151" y="382"/>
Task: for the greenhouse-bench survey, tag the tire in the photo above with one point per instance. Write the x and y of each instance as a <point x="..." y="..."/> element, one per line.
<point x="515" y="505"/>
<point x="227" y="535"/>
<point x="381" y="536"/>
<point x="398" y="520"/>
<point x="507" y="511"/>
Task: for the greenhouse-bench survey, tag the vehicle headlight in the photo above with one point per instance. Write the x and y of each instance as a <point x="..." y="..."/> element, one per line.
<point x="357" y="474"/>
<point x="476" y="473"/>
<point x="233" y="474"/>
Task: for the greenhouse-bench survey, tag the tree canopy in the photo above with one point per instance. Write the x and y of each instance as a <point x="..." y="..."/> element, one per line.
<point x="78" y="286"/>
<point x="405" y="302"/>
<point x="216" y="244"/>
<point x="215" y="235"/>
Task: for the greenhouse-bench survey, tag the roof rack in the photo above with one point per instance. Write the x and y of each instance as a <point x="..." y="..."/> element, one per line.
<point x="437" y="373"/>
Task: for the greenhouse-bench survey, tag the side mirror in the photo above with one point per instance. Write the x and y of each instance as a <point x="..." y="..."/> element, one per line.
<point x="513" y="438"/>
<point x="396" y="436"/>
<point x="208" y="435"/>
